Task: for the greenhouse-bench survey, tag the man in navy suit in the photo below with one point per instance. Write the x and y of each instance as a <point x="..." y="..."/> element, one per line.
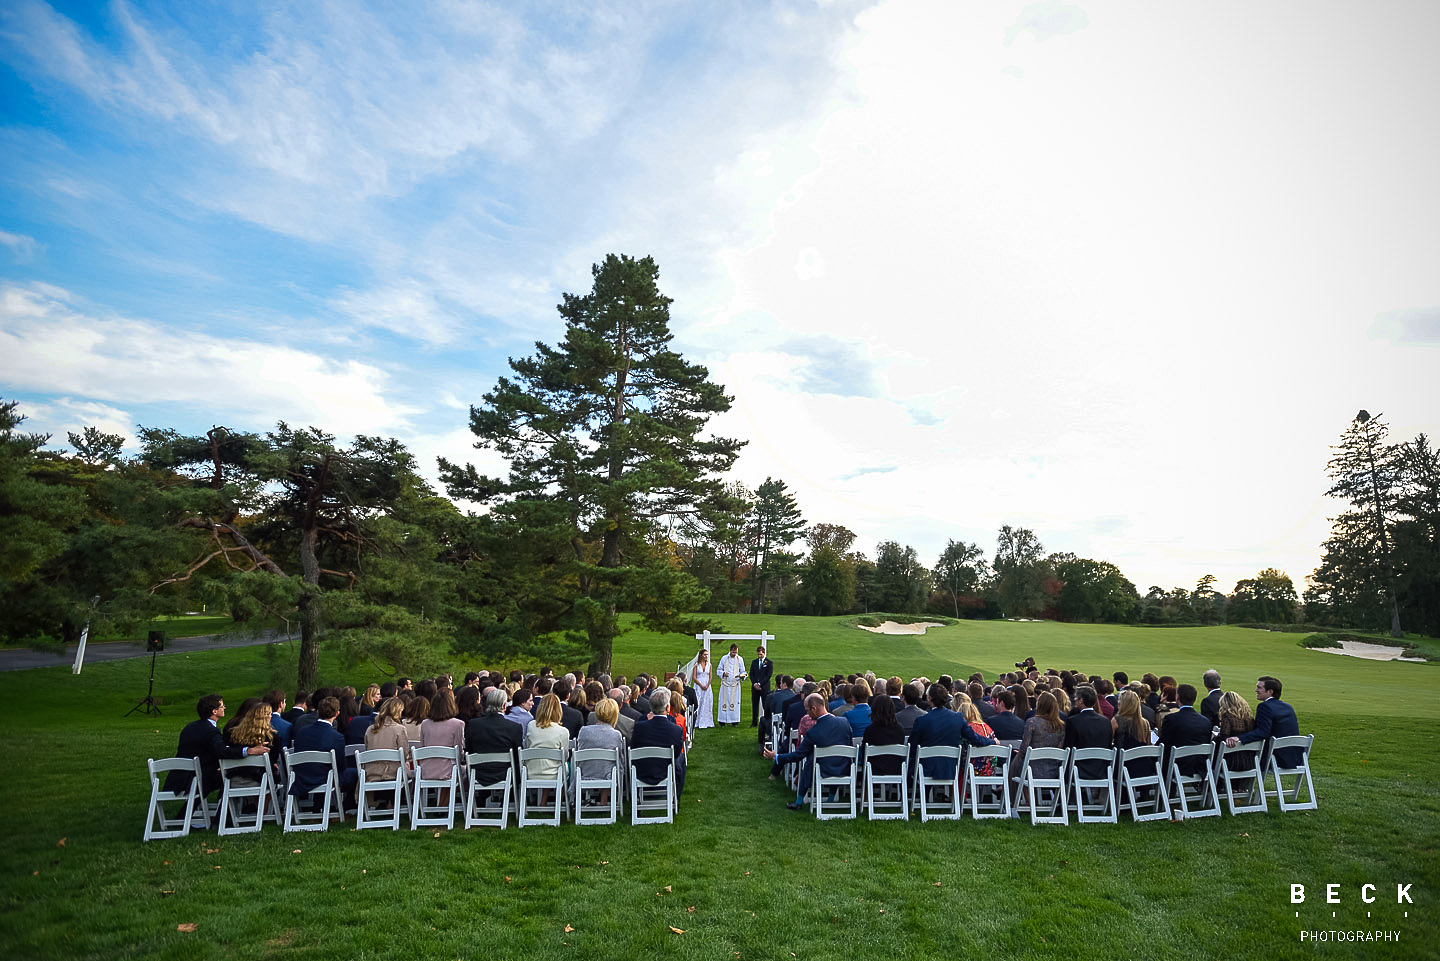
<point x="1090" y="728"/>
<point x="202" y="739"/>
<point x="828" y="731"/>
<point x="1273" y="718"/>
<point x="1003" y="722"/>
<point x="1185" y="727"/>
<point x="320" y="735"/>
<point x="660" y="730"/>
<point x="1210" y="707"/>
<point x="944" y="727"/>
<point x="760" y="672"/>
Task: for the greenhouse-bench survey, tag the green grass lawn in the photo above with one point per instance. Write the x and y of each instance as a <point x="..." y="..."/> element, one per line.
<point x="738" y="873"/>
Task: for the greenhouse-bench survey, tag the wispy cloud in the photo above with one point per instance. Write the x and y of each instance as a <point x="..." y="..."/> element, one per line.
<point x="23" y="247"/>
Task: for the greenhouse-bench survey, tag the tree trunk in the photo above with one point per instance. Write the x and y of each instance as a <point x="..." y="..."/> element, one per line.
<point x="309" y="668"/>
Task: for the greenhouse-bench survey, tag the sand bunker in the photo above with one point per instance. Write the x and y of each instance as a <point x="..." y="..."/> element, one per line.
<point x="1371" y="652"/>
<point x="890" y="627"/>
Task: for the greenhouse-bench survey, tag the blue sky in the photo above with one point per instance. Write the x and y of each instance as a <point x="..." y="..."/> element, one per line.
<point x="1118" y="272"/>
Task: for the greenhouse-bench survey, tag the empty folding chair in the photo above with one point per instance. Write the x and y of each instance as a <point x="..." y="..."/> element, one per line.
<point x="887" y="796"/>
<point x="536" y="811"/>
<point x="157" y="823"/>
<point x="248" y="789"/>
<point x="1030" y="794"/>
<point x="380" y="802"/>
<point x="487" y="802"/>
<point x="647" y="798"/>
<point x="1193" y="795"/>
<point x="1238" y="772"/>
<point x="1087" y="781"/>
<point x="317" y="769"/>
<point x="989" y="794"/>
<point x="1290" y="757"/>
<point x="434" y="800"/>
<point x="589" y="807"/>
<point x="834" y="796"/>
<point x="1144" y="787"/>
<point x="938" y="798"/>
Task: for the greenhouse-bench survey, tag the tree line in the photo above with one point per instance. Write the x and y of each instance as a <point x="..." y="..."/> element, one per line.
<point x="616" y="500"/>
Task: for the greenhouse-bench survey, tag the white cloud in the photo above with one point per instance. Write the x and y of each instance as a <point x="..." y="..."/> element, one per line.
<point x="23" y="247"/>
<point x="62" y="416"/>
<point x="49" y="345"/>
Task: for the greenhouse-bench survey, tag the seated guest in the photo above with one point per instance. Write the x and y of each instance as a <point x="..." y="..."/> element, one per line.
<point x="254" y="728"/>
<point x="492" y="733"/>
<point x="942" y="726"/>
<point x="417" y="709"/>
<point x="840" y="703"/>
<point x="386" y="732"/>
<point x="1274" y="718"/>
<point x="1184" y="727"/>
<point x="1024" y="708"/>
<point x="467" y="702"/>
<point x="827" y="730"/>
<point x="677" y="711"/>
<point x="1045" y="728"/>
<point x="321" y="735"/>
<point x="1130" y="729"/>
<point x="574" y="709"/>
<point x="1169" y="704"/>
<point x="1235" y="719"/>
<point x="1005" y="723"/>
<point x="246" y="706"/>
<point x="202" y="739"/>
<point x="623" y="724"/>
<point x="546" y="732"/>
<point x="1106" y="704"/>
<point x="302" y="704"/>
<point x="354" y="723"/>
<point x="276" y="700"/>
<point x="520" y="703"/>
<point x="370" y="699"/>
<point x="659" y="730"/>
<point x="966" y="708"/>
<point x="601" y="732"/>
<point x="911" y="694"/>
<point x="976" y="690"/>
<point x="1210" y="705"/>
<point x="441" y="728"/>
<point x="1088" y="728"/>
<point x="858" y="701"/>
<point x="884" y="729"/>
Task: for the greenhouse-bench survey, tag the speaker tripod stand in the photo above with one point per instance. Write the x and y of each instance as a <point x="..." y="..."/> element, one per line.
<point x="147" y="704"/>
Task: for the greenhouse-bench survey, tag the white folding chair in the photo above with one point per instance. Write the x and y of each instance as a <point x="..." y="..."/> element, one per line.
<point x="1030" y="794"/>
<point x="646" y="797"/>
<point x="1300" y="772"/>
<point x="487" y="803"/>
<point x="395" y="790"/>
<point x="236" y="795"/>
<point x="1081" y="786"/>
<point x="1240" y="765"/>
<point x="157" y="824"/>
<point x="938" y="798"/>
<point x="525" y="811"/>
<point x="604" y="812"/>
<point x="1193" y="795"/>
<point x="989" y="794"/>
<point x="1131" y="785"/>
<point x="820" y="785"/>
<point x="328" y="789"/>
<point x="434" y="800"/>
<point x="880" y="805"/>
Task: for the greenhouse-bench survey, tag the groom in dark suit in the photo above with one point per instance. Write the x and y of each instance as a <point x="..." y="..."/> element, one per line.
<point x="760" y="671"/>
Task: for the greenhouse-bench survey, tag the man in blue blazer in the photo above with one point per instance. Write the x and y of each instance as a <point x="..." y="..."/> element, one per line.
<point x="1273" y="718"/>
<point x="828" y="731"/>
<point x="1186" y="727"/>
<point x="1003" y="722"/>
<point x="321" y="736"/>
<point x="942" y="726"/>
<point x="660" y="730"/>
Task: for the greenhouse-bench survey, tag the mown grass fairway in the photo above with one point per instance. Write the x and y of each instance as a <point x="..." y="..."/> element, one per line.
<point x="762" y="881"/>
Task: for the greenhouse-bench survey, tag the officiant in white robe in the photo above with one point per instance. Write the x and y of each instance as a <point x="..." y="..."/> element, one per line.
<point x="732" y="672"/>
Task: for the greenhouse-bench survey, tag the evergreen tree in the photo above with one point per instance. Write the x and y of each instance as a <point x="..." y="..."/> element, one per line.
<point x="1363" y="472"/>
<point x="775" y="523"/>
<point x="604" y="435"/>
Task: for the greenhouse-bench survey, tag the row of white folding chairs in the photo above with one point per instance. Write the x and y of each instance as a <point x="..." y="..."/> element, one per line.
<point x="1162" y="792"/>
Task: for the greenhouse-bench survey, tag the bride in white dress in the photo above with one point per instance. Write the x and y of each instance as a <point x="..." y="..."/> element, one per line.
<point x="704" y="698"/>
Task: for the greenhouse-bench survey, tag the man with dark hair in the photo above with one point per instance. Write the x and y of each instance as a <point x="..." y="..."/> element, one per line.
<point x="278" y="724"/>
<point x="1210" y="707"/>
<point x="321" y="735"/>
<point x="976" y="690"/>
<point x="1184" y="727"/>
<point x="302" y="704"/>
<point x="913" y="709"/>
<point x="404" y="684"/>
<point x="1088" y="728"/>
<point x="1003" y="722"/>
<point x="660" y="730"/>
<point x="1273" y="718"/>
<point x="777" y="702"/>
<point x="827" y="731"/>
<point x="472" y="678"/>
<point x="760" y="672"/>
<point x="942" y="726"/>
<point x="570" y="718"/>
<point x="388" y="689"/>
<point x="202" y="739"/>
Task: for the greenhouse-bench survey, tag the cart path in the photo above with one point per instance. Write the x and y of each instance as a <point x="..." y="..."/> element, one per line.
<point x="21" y="659"/>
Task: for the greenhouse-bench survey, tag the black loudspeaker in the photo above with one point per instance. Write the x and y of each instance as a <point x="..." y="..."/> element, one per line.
<point x="155" y="641"/>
